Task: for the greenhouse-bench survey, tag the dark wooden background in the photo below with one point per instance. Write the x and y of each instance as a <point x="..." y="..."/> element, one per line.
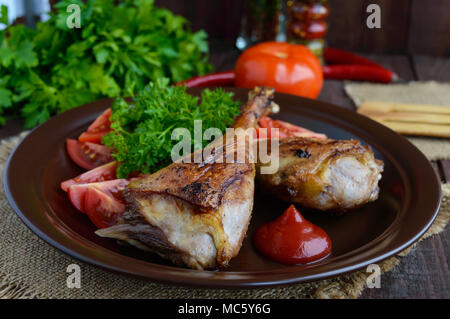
<point x="407" y="26"/>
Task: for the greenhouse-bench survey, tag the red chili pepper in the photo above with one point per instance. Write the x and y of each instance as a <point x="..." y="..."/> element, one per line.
<point x="336" y="56"/>
<point x="339" y="72"/>
<point x="358" y="73"/>
<point x="213" y="79"/>
<point x="348" y="66"/>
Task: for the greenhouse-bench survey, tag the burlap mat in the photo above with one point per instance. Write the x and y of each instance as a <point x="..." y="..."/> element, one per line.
<point x="30" y="268"/>
<point x="431" y="93"/>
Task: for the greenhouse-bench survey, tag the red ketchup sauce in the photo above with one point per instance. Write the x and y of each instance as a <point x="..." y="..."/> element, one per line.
<point x="291" y="239"/>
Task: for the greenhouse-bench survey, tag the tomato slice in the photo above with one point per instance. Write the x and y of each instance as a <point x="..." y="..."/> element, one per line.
<point x="285" y="129"/>
<point x="101" y="123"/>
<point x="103" y="209"/>
<point x="100" y="127"/>
<point x="77" y="192"/>
<point x="93" y="137"/>
<point x="88" y="155"/>
<point x="99" y="174"/>
<point x="266" y="122"/>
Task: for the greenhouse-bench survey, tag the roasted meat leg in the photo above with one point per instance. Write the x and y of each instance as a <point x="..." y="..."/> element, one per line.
<point x="327" y="175"/>
<point x="196" y="215"/>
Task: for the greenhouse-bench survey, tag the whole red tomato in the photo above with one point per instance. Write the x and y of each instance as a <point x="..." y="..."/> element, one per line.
<point x="289" y="68"/>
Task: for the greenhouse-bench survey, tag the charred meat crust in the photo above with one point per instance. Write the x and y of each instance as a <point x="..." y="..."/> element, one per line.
<point x="306" y="144"/>
<point x="312" y="149"/>
<point x="302" y="176"/>
<point x="201" y="186"/>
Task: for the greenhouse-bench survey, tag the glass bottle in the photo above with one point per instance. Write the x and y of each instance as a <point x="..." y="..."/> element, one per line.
<point x="306" y="23"/>
<point x="262" y="21"/>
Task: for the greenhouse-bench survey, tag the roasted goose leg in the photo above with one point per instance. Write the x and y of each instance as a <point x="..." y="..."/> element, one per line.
<point x="327" y="175"/>
<point x="196" y="215"/>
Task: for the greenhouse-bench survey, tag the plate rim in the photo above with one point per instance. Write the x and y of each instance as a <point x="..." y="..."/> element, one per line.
<point x="185" y="280"/>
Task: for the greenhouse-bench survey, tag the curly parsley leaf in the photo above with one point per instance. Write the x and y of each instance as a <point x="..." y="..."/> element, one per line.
<point x="141" y="131"/>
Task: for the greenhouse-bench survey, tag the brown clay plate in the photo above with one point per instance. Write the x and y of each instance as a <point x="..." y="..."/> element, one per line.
<point x="408" y="203"/>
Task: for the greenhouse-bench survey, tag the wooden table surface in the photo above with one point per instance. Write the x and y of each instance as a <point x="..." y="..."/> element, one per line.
<point x="424" y="273"/>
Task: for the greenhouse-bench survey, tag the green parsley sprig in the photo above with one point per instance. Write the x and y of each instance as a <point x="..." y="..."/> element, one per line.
<point x="117" y="51"/>
<point x="141" y="131"/>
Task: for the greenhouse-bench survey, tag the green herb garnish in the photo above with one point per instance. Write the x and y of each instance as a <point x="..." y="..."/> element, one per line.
<point x="141" y="131"/>
<point x="117" y="51"/>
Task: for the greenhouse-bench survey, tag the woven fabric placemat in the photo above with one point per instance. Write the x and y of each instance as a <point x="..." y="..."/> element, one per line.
<point x="30" y="268"/>
<point x="429" y="93"/>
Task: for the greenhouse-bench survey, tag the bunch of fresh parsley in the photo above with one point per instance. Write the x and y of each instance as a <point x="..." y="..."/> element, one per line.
<point x="117" y="51"/>
<point x="141" y="136"/>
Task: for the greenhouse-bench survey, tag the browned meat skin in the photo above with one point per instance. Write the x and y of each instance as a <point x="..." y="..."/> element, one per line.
<point x="327" y="175"/>
<point x="194" y="214"/>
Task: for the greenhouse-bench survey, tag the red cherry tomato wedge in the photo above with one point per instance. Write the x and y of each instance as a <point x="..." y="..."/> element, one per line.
<point x="285" y="129"/>
<point x="93" y="137"/>
<point x="263" y="133"/>
<point x="77" y="192"/>
<point x="101" y="123"/>
<point x="103" y="209"/>
<point x="99" y="174"/>
<point x="100" y="127"/>
<point x="88" y="155"/>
